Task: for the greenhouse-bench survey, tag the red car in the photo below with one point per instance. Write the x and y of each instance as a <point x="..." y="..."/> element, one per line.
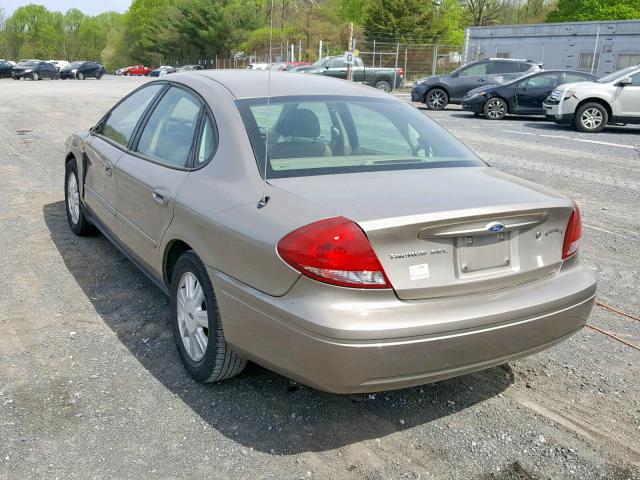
<point x="138" y="70"/>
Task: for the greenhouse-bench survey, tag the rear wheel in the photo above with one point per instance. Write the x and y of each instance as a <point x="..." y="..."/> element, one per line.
<point x="591" y="118"/>
<point x="197" y="328"/>
<point x="495" y="109"/>
<point x="437" y="99"/>
<point x="383" y="85"/>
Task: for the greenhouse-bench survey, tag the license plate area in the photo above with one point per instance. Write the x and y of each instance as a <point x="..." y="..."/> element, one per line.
<point x="483" y="252"/>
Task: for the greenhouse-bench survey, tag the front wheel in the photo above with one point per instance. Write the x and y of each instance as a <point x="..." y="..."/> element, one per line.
<point x="384" y="86"/>
<point x="35" y="76"/>
<point x="197" y="328"/>
<point x="591" y="118"/>
<point x="495" y="109"/>
<point x="80" y="76"/>
<point x="76" y="217"/>
<point x="437" y="99"/>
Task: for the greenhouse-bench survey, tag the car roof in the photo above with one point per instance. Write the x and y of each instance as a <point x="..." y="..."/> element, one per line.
<point x="253" y="84"/>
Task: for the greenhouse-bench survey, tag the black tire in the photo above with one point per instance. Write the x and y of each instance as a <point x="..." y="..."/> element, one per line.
<point x="591" y="118"/>
<point x="35" y="76"/>
<point x="219" y="361"/>
<point x="81" y="76"/>
<point x="436" y="99"/>
<point x="99" y="76"/>
<point x="384" y="86"/>
<point x="82" y="227"/>
<point x="495" y="109"/>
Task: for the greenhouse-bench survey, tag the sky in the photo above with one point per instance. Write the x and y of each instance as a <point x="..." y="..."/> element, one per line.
<point x="90" y="7"/>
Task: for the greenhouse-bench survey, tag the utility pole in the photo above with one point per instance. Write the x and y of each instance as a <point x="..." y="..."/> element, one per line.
<point x="320" y="51"/>
<point x="350" y="49"/>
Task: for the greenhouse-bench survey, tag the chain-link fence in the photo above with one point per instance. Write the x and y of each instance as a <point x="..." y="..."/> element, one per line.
<point x="415" y="60"/>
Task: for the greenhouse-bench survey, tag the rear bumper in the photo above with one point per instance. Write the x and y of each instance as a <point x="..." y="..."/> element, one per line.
<point x="321" y="337"/>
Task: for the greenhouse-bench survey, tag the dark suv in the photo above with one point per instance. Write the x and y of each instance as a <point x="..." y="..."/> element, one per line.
<point x="34" y="69"/>
<point x="437" y="92"/>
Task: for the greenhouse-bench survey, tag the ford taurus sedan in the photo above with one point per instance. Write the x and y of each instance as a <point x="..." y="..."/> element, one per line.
<point x="339" y="237"/>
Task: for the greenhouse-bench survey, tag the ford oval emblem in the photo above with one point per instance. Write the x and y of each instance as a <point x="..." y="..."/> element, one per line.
<point x="495" y="227"/>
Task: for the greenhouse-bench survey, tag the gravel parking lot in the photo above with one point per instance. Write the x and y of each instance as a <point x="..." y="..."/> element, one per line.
<point x="91" y="385"/>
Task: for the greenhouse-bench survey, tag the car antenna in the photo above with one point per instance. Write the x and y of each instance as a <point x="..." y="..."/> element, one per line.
<point x="264" y="200"/>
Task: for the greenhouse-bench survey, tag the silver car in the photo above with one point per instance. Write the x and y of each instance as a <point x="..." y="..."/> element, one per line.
<point x="326" y="231"/>
<point x="590" y="106"/>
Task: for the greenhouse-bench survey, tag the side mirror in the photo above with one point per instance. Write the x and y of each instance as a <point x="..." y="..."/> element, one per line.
<point x="455" y="75"/>
<point x="326" y="67"/>
<point x="625" y="81"/>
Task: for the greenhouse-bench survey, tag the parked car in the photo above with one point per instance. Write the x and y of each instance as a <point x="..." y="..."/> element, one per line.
<point x="163" y="70"/>
<point x="59" y="64"/>
<point x="121" y="71"/>
<point x="380" y="78"/>
<point x="137" y="70"/>
<point x="5" y="69"/>
<point x="189" y="68"/>
<point x="345" y="240"/>
<point x="288" y="66"/>
<point x="590" y="106"/>
<point x="258" y="66"/>
<point x="34" y="69"/>
<point x="523" y="96"/>
<point x="83" y="70"/>
<point x="437" y="92"/>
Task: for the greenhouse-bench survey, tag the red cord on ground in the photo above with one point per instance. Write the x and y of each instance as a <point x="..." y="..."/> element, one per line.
<point x="609" y="334"/>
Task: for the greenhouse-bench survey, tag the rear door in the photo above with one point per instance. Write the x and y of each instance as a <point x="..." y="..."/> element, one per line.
<point x="532" y="91"/>
<point x="106" y="145"/>
<point x="149" y="178"/>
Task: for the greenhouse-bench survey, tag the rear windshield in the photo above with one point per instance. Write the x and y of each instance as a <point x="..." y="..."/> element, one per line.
<point x="29" y="63"/>
<point x="76" y="64"/>
<point x="317" y="135"/>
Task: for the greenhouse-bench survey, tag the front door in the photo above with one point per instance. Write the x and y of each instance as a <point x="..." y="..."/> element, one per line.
<point x="531" y="92"/>
<point x="467" y="79"/>
<point x="99" y="184"/>
<point x="149" y="178"/>
<point x="105" y="148"/>
<point x="628" y="100"/>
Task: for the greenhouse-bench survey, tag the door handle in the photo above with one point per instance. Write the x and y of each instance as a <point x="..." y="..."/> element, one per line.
<point x="160" y="196"/>
<point x="107" y="169"/>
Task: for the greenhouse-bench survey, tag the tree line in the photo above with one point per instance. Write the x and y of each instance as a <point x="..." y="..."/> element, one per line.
<point x="157" y="32"/>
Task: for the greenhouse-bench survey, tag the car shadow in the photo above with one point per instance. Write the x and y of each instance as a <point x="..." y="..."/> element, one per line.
<point x="258" y="409"/>
<point x="471" y="116"/>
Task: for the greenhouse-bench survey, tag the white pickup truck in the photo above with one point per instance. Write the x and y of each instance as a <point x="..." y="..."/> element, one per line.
<point x="590" y="106"/>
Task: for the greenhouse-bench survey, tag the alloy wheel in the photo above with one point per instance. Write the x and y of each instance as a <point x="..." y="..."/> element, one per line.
<point x="193" y="318"/>
<point x="436" y="100"/>
<point x="591" y="118"/>
<point x="73" y="198"/>
<point x="495" y="109"/>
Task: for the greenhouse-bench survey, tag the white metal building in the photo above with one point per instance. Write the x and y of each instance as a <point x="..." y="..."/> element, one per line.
<point x="597" y="47"/>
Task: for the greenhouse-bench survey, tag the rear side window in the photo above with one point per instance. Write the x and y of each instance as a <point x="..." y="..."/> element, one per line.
<point x="548" y="80"/>
<point x="123" y="119"/>
<point x="573" y="77"/>
<point x="168" y="135"/>
<point x="208" y="142"/>
<point x="503" y="67"/>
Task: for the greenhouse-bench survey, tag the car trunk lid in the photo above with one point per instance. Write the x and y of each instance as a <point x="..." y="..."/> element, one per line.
<point x="449" y="231"/>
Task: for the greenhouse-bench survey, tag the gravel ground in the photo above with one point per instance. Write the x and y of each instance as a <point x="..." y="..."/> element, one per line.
<point x="91" y="385"/>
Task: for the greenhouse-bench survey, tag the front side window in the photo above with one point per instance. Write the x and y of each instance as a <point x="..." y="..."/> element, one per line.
<point x="574" y="77"/>
<point x="338" y="63"/>
<point x="335" y="134"/>
<point x="168" y="135"/>
<point x="122" y="120"/>
<point x="635" y="80"/>
<point x="477" y="69"/>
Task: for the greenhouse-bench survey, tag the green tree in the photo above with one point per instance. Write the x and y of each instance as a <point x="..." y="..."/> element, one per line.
<point x="589" y="10"/>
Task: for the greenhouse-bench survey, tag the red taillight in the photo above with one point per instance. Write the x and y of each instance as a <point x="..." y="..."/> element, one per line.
<point x="336" y="251"/>
<point x="573" y="234"/>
